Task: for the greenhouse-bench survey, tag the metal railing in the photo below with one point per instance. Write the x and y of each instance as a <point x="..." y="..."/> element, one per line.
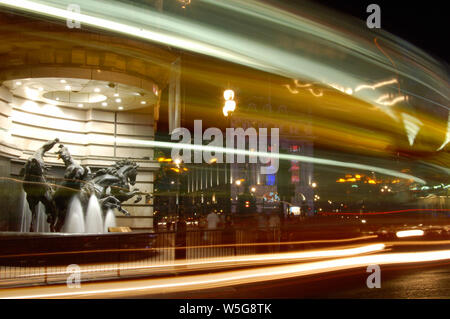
<point x="108" y="256"/>
<point x="118" y="256"/>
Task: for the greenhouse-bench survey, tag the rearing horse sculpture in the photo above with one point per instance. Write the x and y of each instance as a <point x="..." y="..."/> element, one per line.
<point x="110" y="185"/>
<point x="74" y="178"/>
<point x="36" y="186"/>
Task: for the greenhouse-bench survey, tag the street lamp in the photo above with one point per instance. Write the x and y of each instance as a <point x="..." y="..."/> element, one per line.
<point x="230" y="104"/>
<point x="177" y="170"/>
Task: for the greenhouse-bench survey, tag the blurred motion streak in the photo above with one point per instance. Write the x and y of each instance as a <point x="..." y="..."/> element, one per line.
<point x="224" y="44"/>
<point x="235" y="277"/>
<point x="249" y="260"/>
<point x="375" y="86"/>
<point x="290" y="157"/>
<point x="387" y="212"/>
<point x="409" y="233"/>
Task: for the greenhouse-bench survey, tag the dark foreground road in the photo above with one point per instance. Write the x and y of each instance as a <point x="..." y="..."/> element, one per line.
<point x="408" y="270"/>
<point x="425" y="281"/>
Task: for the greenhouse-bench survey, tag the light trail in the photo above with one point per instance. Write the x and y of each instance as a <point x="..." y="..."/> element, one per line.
<point x="375" y="86"/>
<point x="237" y="47"/>
<point x="290" y="157"/>
<point x="228" y="278"/>
<point x="123" y="250"/>
<point x="246" y="260"/>
<point x="409" y="233"/>
<point x="386" y="212"/>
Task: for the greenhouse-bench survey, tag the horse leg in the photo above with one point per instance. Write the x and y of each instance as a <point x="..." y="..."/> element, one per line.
<point x="32" y="204"/>
<point x="60" y="221"/>
<point x="50" y="210"/>
<point x="33" y="217"/>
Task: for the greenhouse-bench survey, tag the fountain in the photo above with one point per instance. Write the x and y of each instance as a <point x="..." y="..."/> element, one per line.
<point x="26" y="213"/>
<point x="41" y="223"/>
<point x="110" y="220"/>
<point x="94" y="219"/>
<point x="76" y="220"/>
<point x="75" y="217"/>
<point x="52" y="206"/>
<point x="64" y="217"/>
<point x="41" y="218"/>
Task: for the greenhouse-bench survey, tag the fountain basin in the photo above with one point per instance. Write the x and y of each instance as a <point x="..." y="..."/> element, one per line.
<point x="35" y="249"/>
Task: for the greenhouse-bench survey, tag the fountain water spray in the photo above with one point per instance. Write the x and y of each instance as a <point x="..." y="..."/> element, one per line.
<point x="94" y="219"/>
<point x="110" y="220"/>
<point x="75" y="217"/>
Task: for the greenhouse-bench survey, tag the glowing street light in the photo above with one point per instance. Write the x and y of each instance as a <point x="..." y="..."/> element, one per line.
<point x="230" y="104"/>
<point x="228" y="95"/>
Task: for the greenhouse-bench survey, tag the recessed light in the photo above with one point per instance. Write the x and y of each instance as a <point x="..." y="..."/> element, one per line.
<point x="41" y="89"/>
<point x="18" y="83"/>
<point x="143" y="102"/>
<point x="57" y="99"/>
<point x="118" y="100"/>
<point x="104" y="104"/>
<point x="116" y="94"/>
<point x="120" y="107"/>
<point x="67" y="87"/>
<point x="80" y="105"/>
<point x="96" y="90"/>
<point x="62" y="81"/>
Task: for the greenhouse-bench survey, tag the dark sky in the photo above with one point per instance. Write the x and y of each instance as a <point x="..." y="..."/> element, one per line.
<point x="423" y="23"/>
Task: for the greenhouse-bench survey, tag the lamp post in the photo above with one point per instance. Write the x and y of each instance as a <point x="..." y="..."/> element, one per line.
<point x="228" y="109"/>
<point x="230" y="104"/>
<point x="177" y="162"/>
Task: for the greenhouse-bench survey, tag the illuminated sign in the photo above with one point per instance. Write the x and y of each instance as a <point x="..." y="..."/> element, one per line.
<point x="294" y="210"/>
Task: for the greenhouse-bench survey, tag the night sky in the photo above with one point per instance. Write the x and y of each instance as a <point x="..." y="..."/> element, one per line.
<point x="423" y="23"/>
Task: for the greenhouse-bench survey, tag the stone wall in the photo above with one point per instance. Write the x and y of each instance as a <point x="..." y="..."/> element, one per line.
<point x="90" y="136"/>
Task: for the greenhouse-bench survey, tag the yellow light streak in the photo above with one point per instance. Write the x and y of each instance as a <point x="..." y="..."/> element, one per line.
<point x="409" y="233"/>
<point x="228" y="278"/>
<point x="375" y="86"/>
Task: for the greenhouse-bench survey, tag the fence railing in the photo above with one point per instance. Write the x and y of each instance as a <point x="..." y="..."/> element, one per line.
<point x="112" y="256"/>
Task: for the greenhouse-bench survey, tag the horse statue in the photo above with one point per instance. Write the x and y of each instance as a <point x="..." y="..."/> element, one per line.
<point x="36" y="186"/>
<point x="111" y="185"/>
<point x="75" y="177"/>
